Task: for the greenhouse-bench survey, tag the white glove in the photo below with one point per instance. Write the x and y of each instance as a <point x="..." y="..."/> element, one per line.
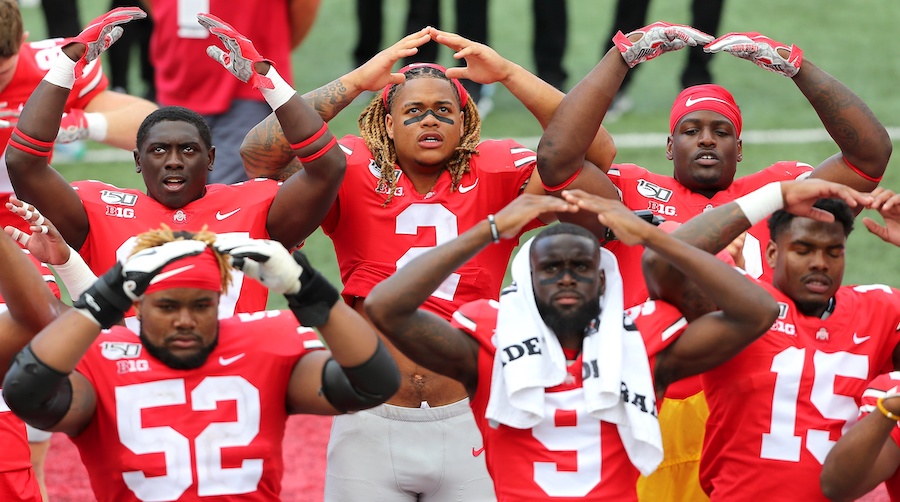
<point x="761" y="50"/>
<point x="658" y="38"/>
<point x="266" y="261"/>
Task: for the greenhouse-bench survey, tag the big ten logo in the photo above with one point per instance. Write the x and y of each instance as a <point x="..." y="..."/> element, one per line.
<point x="120" y="212"/>
<point x="132" y="365"/>
<point x="662" y="209"/>
<point x="784" y="327"/>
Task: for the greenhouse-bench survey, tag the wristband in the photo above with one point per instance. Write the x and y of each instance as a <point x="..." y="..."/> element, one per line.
<point x="885" y="411"/>
<point x="97" y="126"/>
<point x="62" y="73"/>
<point x="281" y="91"/>
<point x="75" y="275"/>
<point x="495" y="233"/>
<point x="760" y="203"/>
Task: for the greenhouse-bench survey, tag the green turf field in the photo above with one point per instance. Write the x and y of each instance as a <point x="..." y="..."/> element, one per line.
<point x="847" y="39"/>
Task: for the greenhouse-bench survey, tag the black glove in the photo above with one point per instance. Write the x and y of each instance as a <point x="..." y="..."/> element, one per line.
<point x="312" y="304"/>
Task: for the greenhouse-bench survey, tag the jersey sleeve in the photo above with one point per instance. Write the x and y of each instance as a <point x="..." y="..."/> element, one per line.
<point x="478" y="319"/>
<point x="660" y="324"/>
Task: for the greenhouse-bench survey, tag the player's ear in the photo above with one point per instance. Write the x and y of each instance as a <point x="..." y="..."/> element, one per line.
<point x="669" y="143"/>
<point x="601" y="287"/>
<point x="137" y="160"/>
<point x="740" y="150"/>
<point x="212" y="158"/>
<point x="771" y="254"/>
<point x="389" y="125"/>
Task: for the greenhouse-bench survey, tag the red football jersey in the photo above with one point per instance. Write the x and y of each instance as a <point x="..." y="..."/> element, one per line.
<point x="185" y="76"/>
<point x="215" y="431"/>
<point x="777" y="408"/>
<point x="372" y="242"/>
<point x="884" y="382"/>
<point x="569" y="456"/>
<point x="642" y="189"/>
<point x="116" y="215"/>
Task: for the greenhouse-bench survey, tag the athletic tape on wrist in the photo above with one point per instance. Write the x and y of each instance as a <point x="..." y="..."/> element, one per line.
<point x="759" y="204"/>
<point x="280" y="93"/>
<point x="62" y="73"/>
<point x="75" y="274"/>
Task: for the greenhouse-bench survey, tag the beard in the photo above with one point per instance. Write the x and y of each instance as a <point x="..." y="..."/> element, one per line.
<point x="178" y="363"/>
<point x="570" y="322"/>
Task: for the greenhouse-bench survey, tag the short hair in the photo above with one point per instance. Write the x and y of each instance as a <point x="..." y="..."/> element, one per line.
<point x="10" y="28"/>
<point x="174" y="114"/>
<point x="781" y="219"/>
<point x="164" y="234"/>
<point x="374" y="133"/>
<point x="564" y="228"/>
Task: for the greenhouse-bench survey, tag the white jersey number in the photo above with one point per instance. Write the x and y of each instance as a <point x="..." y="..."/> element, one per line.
<point x="782" y="441"/>
<point x="446" y="228"/>
<point x="212" y="478"/>
<point x="188" y="27"/>
<point x="580" y="434"/>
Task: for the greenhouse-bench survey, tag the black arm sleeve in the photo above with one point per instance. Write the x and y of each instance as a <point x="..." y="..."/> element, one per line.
<point x="369" y="384"/>
<point x="35" y="392"/>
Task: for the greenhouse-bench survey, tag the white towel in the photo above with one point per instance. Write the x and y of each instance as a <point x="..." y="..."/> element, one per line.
<point x="517" y="389"/>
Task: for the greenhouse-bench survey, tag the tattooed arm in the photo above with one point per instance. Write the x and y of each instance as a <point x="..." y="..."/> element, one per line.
<point x="265" y="151"/>
<point x="864" y="142"/>
<point x="713" y="230"/>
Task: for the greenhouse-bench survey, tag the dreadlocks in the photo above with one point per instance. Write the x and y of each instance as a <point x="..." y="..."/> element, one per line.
<point x="164" y="234"/>
<point x="374" y="133"/>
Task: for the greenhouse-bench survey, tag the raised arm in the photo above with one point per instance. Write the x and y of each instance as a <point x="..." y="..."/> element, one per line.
<point x="864" y="143"/>
<point x="265" y="151"/>
<point x="427" y="339"/>
<point x="866" y="454"/>
<point x="712" y="231"/>
<point x="359" y="372"/>
<point x="747" y="310"/>
<point x="32" y="140"/>
<point x="41" y="386"/>
<point x="887" y="203"/>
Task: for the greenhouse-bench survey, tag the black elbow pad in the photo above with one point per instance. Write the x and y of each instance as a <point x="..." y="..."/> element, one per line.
<point x="35" y="392"/>
<point x="369" y="384"/>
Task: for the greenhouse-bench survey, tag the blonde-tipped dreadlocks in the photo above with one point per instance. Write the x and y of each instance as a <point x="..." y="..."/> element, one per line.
<point x="164" y="234"/>
<point x="374" y="133"/>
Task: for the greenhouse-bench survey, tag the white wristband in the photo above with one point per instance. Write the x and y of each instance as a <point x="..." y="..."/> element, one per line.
<point x="97" y="126"/>
<point x="62" y="73"/>
<point x="281" y="93"/>
<point x="759" y="204"/>
<point x="75" y="274"/>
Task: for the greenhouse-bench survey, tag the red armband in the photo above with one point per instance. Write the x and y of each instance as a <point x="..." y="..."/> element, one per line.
<point x="861" y="173"/>
<point x="28" y="149"/>
<point x="321" y="152"/>
<point x="564" y="184"/>
<point x="312" y="139"/>
<point x="45" y="144"/>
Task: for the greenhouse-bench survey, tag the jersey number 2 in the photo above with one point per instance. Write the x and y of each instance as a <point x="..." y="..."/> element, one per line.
<point x="445" y="225"/>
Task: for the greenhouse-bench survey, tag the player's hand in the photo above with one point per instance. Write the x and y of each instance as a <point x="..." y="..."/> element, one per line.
<point x="799" y="197"/>
<point x="623" y="222"/>
<point x="735" y="249"/>
<point x="887" y="203"/>
<point x="761" y="50"/>
<point x="375" y="74"/>
<point x="45" y="242"/>
<point x="264" y="260"/>
<point x="241" y="53"/>
<point x="103" y="32"/>
<point x="653" y="40"/>
<point x="524" y="209"/>
<point x="113" y="293"/>
<point x="72" y="127"/>
<point x="483" y="64"/>
<point x="8" y="116"/>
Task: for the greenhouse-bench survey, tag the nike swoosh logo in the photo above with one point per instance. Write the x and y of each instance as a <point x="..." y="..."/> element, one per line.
<point x="477" y="452"/>
<point x="691" y="101"/>
<point x="860" y="339"/>
<point x="463" y="189"/>
<point x="220" y="216"/>
<point x="225" y="361"/>
<point x="165" y="275"/>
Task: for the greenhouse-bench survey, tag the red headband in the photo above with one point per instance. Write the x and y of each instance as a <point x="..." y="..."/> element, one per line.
<point x="198" y="272"/>
<point x="710" y="97"/>
<point x="463" y="95"/>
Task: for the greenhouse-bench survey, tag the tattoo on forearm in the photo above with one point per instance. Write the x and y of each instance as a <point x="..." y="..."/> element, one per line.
<point x="713" y="234"/>
<point x="329" y="99"/>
